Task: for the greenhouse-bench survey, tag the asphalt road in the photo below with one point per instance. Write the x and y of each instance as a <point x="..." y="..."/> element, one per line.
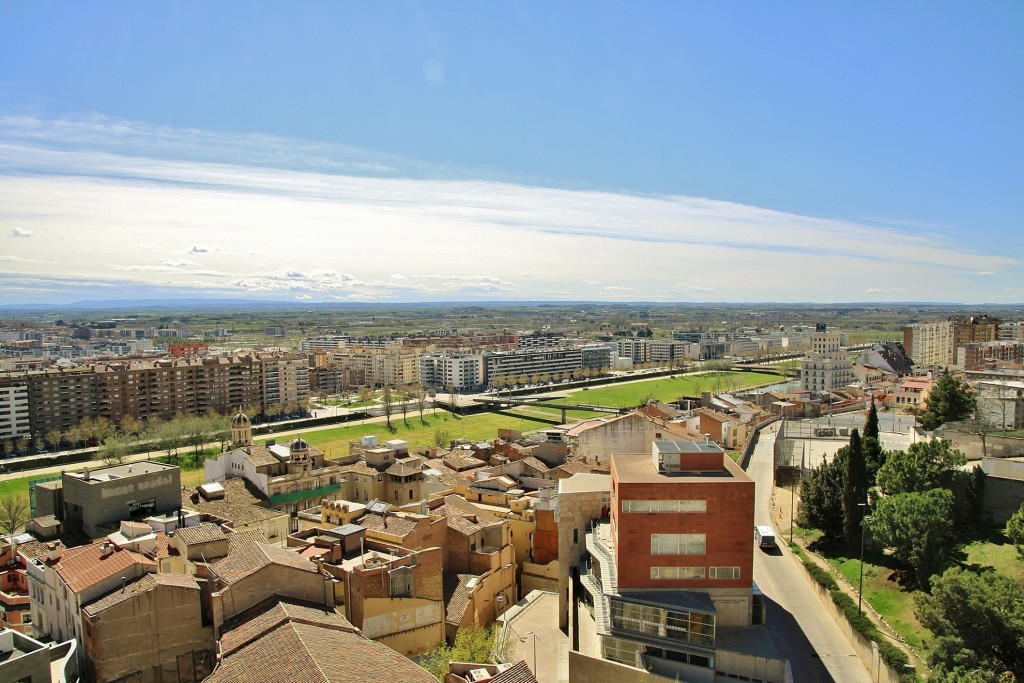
<point x="802" y="630"/>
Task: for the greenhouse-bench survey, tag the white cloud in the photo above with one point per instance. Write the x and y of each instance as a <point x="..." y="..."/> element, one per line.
<point x="264" y="230"/>
<point x="21" y="232"/>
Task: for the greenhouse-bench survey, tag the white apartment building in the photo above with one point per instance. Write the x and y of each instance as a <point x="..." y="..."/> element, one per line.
<point x="930" y="343"/>
<point x="827" y="366"/>
<point x="545" y="363"/>
<point x="14" y="411"/>
<point x="461" y="372"/>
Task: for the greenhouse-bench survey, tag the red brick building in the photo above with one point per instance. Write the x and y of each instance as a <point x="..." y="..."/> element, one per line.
<point x="682" y="517"/>
<point x="670" y="575"/>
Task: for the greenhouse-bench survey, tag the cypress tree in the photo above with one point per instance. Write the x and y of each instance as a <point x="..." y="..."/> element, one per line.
<point x="871" y="425"/>
<point x="855" y="489"/>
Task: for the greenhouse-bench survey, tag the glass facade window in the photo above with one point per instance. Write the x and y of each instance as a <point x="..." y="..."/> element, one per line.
<point x="621" y="651"/>
<point x="678" y="544"/>
<point x="677" y="572"/>
<point x="725" y="572"/>
<point x="682" y="625"/>
<point x="664" y="506"/>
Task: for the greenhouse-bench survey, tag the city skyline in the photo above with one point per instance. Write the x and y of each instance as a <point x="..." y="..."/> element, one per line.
<point x="427" y="154"/>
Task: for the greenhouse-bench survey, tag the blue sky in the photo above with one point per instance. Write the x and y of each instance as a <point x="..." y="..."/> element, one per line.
<point x="453" y="150"/>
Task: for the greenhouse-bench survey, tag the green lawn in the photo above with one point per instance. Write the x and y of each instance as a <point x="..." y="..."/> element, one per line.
<point x="334" y="442"/>
<point x="883" y="593"/>
<point x="669" y="388"/>
<point x="998" y="553"/>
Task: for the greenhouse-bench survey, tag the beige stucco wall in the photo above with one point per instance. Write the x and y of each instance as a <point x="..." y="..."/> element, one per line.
<point x="411" y="626"/>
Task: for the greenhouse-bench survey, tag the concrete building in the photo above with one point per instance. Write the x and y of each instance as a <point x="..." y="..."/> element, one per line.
<point x="1001" y="403"/>
<point x="98" y="500"/>
<point x="523" y="366"/>
<point x="14" y="420"/>
<point x="58" y="398"/>
<point x="26" y="660"/>
<point x="827" y="365"/>
<point x="937" y="343"/>
<point x="447" y="372"/>
<point x="975" y="356"/>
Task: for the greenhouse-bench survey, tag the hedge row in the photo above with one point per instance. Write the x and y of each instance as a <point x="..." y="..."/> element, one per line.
<point x="891" y="655"/>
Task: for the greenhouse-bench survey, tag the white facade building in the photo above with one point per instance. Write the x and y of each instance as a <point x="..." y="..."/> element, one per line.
<point x="14" y="411"/>
<point x="827" y="366"/>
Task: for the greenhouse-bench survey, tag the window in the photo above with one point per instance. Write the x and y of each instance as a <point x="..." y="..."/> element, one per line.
<point x="725" y="572"/>
<point x="664" y="506"/>
<point x="678" y="544"/>
<point x="677" y="572"/>
<point x="575" y="535"/>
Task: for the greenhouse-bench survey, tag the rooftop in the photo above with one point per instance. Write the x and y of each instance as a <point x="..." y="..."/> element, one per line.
<point x="248" y="561"/>
<point x="137" y="587"/>
<point x="114" y="472"/>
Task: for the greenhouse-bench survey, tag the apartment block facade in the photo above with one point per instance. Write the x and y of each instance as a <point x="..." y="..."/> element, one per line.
<point x="443" y="372"/>
<point x="827" y="366"/>
<point x="59" y="398"/>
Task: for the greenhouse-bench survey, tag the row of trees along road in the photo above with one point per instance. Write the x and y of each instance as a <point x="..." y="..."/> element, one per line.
<point x="920" y="504"/>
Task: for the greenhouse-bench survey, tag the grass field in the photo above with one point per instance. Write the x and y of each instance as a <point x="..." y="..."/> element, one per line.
<point x="669" y="388"/>
<point x="896" y="603"/>
<point x="883" y="592"/>
<point x="334" y="442"/>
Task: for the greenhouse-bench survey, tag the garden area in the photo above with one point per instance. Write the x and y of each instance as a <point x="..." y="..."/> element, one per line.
<point x="945" y="581"/>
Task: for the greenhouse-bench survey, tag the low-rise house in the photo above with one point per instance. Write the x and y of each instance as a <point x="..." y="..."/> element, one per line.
<point x="237" y="504"/>
<point x="150" y="630"/>
<point x="295" y="642"/>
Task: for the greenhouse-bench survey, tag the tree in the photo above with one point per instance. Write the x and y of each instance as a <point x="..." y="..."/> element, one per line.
<point x="53" y="438"/>
<point x="476" y="644"/>
<point x="366" y="394"/>
<point x="405" y="404"/>
<point x="441" y="438"/>
<point x="918" y="527"/>
<point x="14" y="513"/>
<point x="1014" y="530"/>
<point x="950" y="400"/>
<point x="419" y="394"/>
<point x="855" y="488"/>
<point x="388" y="401"/>
<point x="821" y="496"/>
<point x="923" y="466"/>
<point x="978" y="623"/>
<point x="871" y="423"/>
<point x="114" y="450"/>
<point x="170" y="437"/>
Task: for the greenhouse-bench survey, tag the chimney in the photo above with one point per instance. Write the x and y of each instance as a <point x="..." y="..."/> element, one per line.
<point x="53" y="551"/>
<point x="106" y="549"/>
<point x="85" y="474"/>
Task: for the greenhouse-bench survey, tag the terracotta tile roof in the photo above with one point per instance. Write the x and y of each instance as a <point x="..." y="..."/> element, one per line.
<point x="242" y="633"/>
<point x="85" y="566"/>
<point x="571" y="467"/>
<point x="260" y="455"/>
<point x="240" y="505"/>
<point x="465" y="517"/>
<point x="535" y="463"/>
<point x="200" y="533"/>
<point x="396" y="526"/>
<point x="406" y="467"/>
<point x="458" y="603"/>
<point x="519" y="673"/>
<point x="309" y="653"/>
<point x="146" y="583"/>
<point x="246" y="538"/>
<point x="248" y="561"/>
<point x="359" y="467"/>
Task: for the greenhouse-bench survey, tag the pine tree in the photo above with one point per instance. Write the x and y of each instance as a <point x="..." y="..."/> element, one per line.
<point x="950" y="400"/>
<point x="821" y="497"/>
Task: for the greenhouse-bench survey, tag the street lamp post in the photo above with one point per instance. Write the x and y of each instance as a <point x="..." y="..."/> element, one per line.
<point x="860" y="590"/>
<point x="531" y="633"/>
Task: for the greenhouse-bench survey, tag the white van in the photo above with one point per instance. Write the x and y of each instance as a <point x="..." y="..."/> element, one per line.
<point x="764" y="536"/>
